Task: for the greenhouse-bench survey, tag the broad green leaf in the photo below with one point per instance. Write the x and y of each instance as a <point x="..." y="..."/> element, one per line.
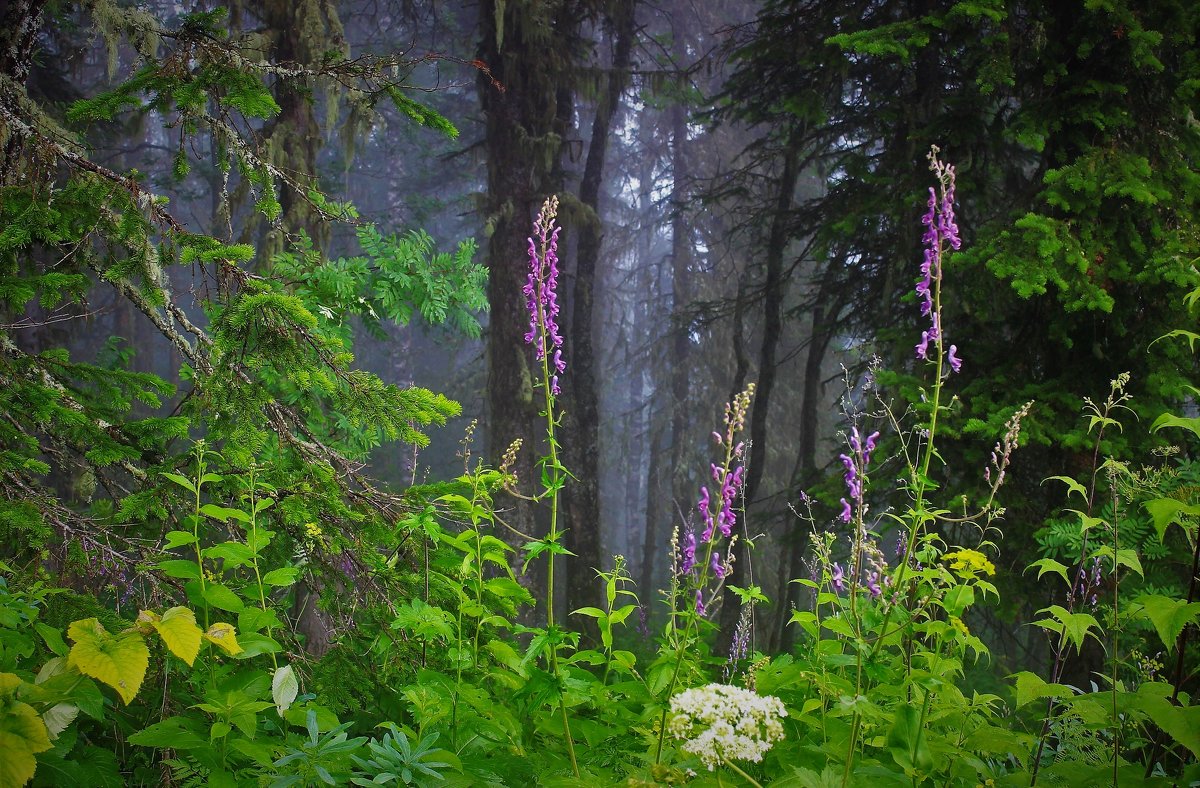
<point x="22" y="735"/>
<point x="282" y="577"/>
<point x="53" y="637"/>
<point x="1124" y="557"/>
<point x="234" y="554"/>
<point x="906" y="740"/>
<point x="1045" y="565"/>
<point x="182" y="481"/>
<point x="1031" y="687"/>
<point x="1169" y="616"/>
<point x="119" y="661"/>
<point x="223" y="636"/>
<point x="224" y="513"/>
<point x="1171" y="420"/>
<point x="176" y="733"/>
<point x="58" y="717"/>
<point x="179" y="633"/>
<point x="1165" y="511"/>
<point x="179" y="568"/>
<point x="1076" y="626"/>
<point x="179" y="539"/>
<point x="222" y="597"/>
<point x="284" y="688"/>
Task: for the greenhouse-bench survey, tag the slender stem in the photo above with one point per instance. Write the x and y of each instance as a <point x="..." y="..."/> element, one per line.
<point x="556" y="480"/>
<point x="745" y="776"/>
<point x="262" y="599"/>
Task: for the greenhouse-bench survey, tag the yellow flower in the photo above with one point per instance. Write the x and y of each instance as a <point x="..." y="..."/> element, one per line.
<point x="966" y="563"/>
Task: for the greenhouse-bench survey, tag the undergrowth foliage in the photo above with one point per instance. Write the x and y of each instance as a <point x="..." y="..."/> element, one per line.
<point x="437" y="681"/>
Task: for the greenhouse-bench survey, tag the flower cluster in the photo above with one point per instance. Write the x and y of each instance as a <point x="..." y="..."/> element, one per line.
<point x="968" y="563"/>
<point x="721" y="723"/>
<point x="941" y="232"/>
<point x="719" y="516"/>
<point x="541" y="290"/>
<point x="856" y="465"/>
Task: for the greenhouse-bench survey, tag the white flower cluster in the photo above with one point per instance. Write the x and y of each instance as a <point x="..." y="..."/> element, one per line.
<point x="720" y="723"/>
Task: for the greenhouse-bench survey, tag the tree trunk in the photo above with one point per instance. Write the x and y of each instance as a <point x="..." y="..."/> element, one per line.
<point x="773" y="286"/>
<point x="523" y="142"/>
<point x="583" y="442"/>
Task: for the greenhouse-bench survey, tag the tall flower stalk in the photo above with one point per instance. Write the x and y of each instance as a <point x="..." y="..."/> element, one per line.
<point x="708" y="557"/>
<point x="541" y="297"/>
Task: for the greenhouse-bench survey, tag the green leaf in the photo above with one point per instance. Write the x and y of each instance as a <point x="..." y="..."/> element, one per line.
<point x="53" y="637"/>
<point x="182" y="481"/>
<point x="1191" y="424"/>
<point x="1075" y="626"/>
<point x="1073" y="487"/>
<point x="1165" y="511"/>
<point x="179" y="568"/>
<point x="906" y="740"/>
<point x="282" y="577"/>
<point x="1169" y="616"/>
<point x="1050" y="565"/>
<point x="1031" y="687"/>
<point x="22" y="734"/>
<point x="119" y="661"/>
<point x="175" y="733"/>
<point x="222" y="597"/>
<point x="179" y="539"/>
<point x="224" y="513"/>
<point x="234" y="554"/>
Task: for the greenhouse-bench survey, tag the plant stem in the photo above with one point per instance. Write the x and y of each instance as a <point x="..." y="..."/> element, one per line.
<point x="745" y="776"/>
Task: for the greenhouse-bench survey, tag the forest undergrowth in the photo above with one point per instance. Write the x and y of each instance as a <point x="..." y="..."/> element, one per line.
<point x="440" y="676"/>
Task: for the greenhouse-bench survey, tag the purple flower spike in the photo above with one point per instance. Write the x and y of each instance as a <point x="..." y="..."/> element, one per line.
<point x="541" y="289"/>
<point x="955" y="361"/>
<point x="689" y="555"/>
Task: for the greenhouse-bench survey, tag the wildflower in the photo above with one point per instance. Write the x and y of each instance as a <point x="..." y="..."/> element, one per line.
<point x="847" y="512"/>
<point x="941" y="232"/>
<point x="838" y="579"/>
<point x="955" y="361"/>
<point x="699" y="603"/>
<point x="967" y="563"/>
<point x="541" y="290"/>
<point x="721" y="723"/>
<point x="689" y="554"/>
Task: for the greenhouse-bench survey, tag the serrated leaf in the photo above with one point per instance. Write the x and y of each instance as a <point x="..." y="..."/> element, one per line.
<point x="1045" y="565"/>
<point x="179" y="568"/>
<point x="179" y="633"/>
<point x="284" y="688"/>
<point x="119" y="661"/>
<point x="22" y="734"/>
<point x="179" y="539"/>
<point x="282" y="577"/>
<point x="1165" y="511"/>
<point x="222" y="597"/>
<point x="1073" y="487"/>
<point x="1031" y="687"/>
<point x="223" y="636"/>
<point x="1169" y="616"/>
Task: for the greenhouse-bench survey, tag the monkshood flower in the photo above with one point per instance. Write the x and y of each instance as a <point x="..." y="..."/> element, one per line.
<point x="941" y="235"/>
<point x="719" y="513"/>
<point x="541" y="291"/>
<point x="720" y="723"/>
<point x="856" y="463"/>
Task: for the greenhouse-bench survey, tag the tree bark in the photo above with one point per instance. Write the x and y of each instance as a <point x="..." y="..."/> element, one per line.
<point x="583" y="448"/>
<point x="521" y="44"/>
<point x="773" y="286"/>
